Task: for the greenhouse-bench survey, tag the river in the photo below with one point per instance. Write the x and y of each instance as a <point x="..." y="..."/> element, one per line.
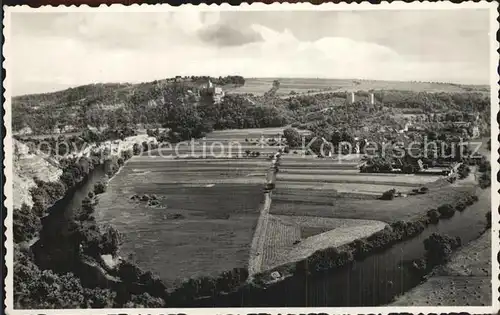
<point x="373" y="281"/>
<point x="56" y="248"/>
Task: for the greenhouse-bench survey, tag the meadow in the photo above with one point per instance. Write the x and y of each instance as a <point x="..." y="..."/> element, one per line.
<point x="202" y="219"/>
<point x="259" y="86"/>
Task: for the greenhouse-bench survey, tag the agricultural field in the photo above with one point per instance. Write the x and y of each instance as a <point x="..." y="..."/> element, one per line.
<point x="292" y="238"/>
<point x="320" y="203"/>
<point x="202" y="220"/>
<point x="259" y="86"/>
<point x="232" y="143"/>
<point x="341" y="175"/>
<point x="402" y="208"/>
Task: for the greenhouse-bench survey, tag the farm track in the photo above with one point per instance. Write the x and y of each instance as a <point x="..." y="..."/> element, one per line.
<point x="260" y="234"/>
<point x="257" y="247"/>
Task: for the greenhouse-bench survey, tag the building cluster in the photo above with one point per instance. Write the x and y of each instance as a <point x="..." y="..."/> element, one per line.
<point x="215" y="92"/>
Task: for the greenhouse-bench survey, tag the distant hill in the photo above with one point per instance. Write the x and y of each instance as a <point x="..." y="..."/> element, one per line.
<point x="303" y="86"/>
<point x="114" y="104"/>
<point x="91" y="104"/>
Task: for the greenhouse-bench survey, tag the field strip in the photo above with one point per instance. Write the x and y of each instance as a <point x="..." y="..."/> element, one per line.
<point x="181" y="180"/>
<point x="329" y="171"/>
<point x="307" y="187"/>
<point x="368" y="179"/>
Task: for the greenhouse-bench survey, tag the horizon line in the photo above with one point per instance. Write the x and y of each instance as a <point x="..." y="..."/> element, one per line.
<point x="250" y="77"/>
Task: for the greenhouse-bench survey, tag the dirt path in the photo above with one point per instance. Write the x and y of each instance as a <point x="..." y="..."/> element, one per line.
<point x="257" y="248"/>
<point x="259" y="237"/>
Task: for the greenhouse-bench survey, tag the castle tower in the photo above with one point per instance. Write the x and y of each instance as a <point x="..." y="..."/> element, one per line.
<point x="372" y="99"/>
<point x="350" y="97"/>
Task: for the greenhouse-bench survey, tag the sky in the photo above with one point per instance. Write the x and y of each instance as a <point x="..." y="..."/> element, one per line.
<point x="53" y="51"/>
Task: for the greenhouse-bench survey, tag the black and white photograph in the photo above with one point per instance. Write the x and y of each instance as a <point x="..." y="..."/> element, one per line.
<point x="232" y="160"/>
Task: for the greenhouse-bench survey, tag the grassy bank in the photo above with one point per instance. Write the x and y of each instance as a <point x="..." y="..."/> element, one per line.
<point x="464" y="281"/>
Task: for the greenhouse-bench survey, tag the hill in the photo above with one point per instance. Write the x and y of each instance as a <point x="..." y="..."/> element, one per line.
<point x="290" y="86"/>
<point x="27" y="167"/>
<point x="186" y="107"/>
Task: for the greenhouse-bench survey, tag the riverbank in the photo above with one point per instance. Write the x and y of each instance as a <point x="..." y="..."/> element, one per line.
<point x="464" y="281"/>
<point x="332" y="258"/>
<point x="56" y="239"/>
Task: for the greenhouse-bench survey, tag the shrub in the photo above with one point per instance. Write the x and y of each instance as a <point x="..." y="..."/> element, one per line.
<point x="388" y="195"/>
<point x="129" y="272"/>
<point x="381" y="239"/>
<point x="330" y="258"/>
<point x="25" y="224"/>
<point x="446" y="211"/>
<point x="126" y="154"/>
<point x="98" y="298"/>
<point x="137" y="149"/>
<point x="111" y="240"/>
<point x="292" y="137"/>
<point x="362" y="248"/>
<point x="485" y="180"/>
<point x="120" y="162"/>
<point x="269" y="186"/>
<point x="484" y="166"/>
<point x="423" y="190"/>
<point x="433" y="215"/>
<point x="86" y="211"/>
<point x="460" y="206"/>
<point x="403" y="230"/>
<point x="90" y="238"/>
<point x="439" y="248"/>
<point x="99" y="187"/>
<point x="144" y="300"/>
<point x="463" y="171"/>
<point x="153" y="202"/>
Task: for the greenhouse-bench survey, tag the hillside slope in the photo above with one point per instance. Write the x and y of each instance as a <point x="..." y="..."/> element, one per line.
<point x="28" y="166"/>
